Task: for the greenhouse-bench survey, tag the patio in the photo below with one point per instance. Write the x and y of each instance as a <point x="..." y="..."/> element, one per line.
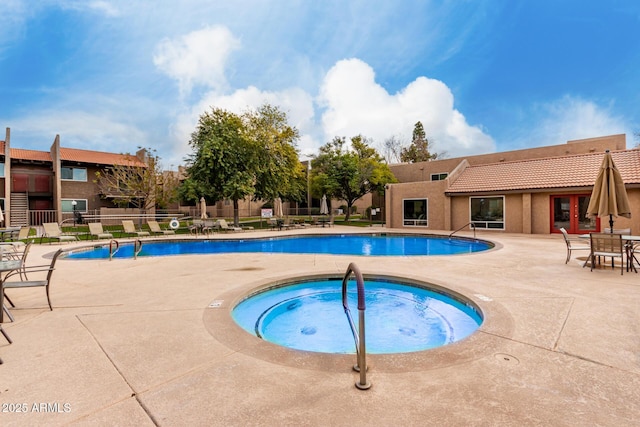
<point x="134" y="342"/>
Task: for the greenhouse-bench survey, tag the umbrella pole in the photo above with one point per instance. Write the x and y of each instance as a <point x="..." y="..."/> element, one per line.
<point x="611" y="223"/>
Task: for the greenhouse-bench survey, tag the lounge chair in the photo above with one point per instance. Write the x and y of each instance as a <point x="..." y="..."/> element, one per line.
<point x="46" y="282"/>
<point x="129" y="228"/>
<point x="155" y="228"/>
<point x="574" y="244"/>
<point x="224" y="226"/>
<point x="95" y="230"/>
<point x="52" y="231"/>
<point x="607" y="245"/>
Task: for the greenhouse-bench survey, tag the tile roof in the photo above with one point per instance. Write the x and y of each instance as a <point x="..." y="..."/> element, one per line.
<point x="98" y="157"/>
<point x="554" y="172"/>
<point x="22" y="154"/>
<point x="74" y="155"/>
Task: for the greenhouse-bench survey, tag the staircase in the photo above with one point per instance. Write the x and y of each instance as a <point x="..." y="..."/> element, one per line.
<point x="19" y="209"/>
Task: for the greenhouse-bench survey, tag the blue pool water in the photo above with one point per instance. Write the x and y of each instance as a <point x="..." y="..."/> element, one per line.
<point x="399" y="318"/>
<point x="338" y="244"/>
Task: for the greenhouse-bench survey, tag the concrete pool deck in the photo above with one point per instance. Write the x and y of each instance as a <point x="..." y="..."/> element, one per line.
<point x="134" y="342"/>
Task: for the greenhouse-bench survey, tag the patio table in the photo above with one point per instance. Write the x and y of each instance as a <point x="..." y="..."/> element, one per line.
<point x="5" y="267"/>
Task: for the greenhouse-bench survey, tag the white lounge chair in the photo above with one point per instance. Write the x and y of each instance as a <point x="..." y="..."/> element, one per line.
<point x="129" y="228"/>
<point x="95" y="230"/>
<point x="155" y="228"/>
<point x="52" y="231"/>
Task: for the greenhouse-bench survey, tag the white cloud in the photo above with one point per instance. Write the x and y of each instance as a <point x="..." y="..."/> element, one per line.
<point x="571" y="118"/>
<point x="355" y="104"/>
<point x="294" y="101"/>
<point x="197" y="58"/>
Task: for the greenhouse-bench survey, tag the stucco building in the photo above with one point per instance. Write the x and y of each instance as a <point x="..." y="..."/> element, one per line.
<point x="530" y="191"/>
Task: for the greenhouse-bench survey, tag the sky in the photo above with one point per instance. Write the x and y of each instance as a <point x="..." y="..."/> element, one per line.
<point x="481" y="75"/>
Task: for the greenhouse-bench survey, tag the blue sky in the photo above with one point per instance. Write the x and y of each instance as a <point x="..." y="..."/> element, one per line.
<point x="481" y="75"/>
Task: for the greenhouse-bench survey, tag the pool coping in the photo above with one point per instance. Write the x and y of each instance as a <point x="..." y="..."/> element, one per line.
<point x="497" y="322"/>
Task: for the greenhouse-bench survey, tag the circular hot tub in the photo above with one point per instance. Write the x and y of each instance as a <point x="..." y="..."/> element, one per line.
<point x="401" y="316"/>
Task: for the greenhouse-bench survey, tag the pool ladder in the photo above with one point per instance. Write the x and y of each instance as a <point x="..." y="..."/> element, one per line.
<point x="114" y="245"/>
<point x="358" y="335"/>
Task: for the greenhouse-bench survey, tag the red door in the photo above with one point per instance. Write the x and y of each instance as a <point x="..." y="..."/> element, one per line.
<point x="570" y="211"/>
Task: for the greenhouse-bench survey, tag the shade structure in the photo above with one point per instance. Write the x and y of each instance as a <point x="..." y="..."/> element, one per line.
<point x="324" y="209"/>
<point x="609" y="196"/>
<point x="203" y="208"/>
<point x="277" y="207"/>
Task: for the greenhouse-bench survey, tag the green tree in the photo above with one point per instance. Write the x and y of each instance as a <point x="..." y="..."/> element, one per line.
<point x="344" y="174"/>
<point x="419" y="149"/>
<point x="279" y="172"/>
<point x="223" y="160"/>
<point x="235" y="156"/>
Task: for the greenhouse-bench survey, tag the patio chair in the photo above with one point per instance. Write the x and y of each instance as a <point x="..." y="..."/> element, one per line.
<point x="129" y="228"/>
<point x="574" y="244"/>
<point x="95" y="230"/>
<point x="52" y="231"/>
<point x="155" y="228"/>
<point x="45" y="282"/>
<point x="224" y="226"/>
<point x="607" y="245"/>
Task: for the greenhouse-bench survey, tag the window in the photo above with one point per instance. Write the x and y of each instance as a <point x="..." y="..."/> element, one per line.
<point x="414" y="212"/>
<point x="1" y="169"/>
<point x="73" y="174"/>
<point x="67" y="205"/>
<point x="487" y="212"/>
<point x="438" y="176"/>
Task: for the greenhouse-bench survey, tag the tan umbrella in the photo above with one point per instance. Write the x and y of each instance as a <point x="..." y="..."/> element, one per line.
<point x="203" y="208"/>
<point x="609" y="196"/>
<point x="277" y="207"/>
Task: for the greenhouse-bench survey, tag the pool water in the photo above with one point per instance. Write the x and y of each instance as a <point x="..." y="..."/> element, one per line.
<point x="337" y="244"/>
<point x="399" y="318"/>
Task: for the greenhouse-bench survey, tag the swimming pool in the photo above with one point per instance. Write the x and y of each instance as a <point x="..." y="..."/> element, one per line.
<point x="400" y="316"/>
<point x="376" y="244"/>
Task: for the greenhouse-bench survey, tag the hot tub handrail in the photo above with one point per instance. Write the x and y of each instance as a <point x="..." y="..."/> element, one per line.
<point x="361" y="351"/>
<point x="113" y="251"/>
<point x="471" y="225"/>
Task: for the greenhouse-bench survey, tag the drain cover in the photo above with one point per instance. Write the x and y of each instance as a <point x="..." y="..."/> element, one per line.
<point x="216" y="303"/>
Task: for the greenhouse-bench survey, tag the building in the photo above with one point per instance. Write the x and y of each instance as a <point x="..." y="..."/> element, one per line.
<point x="530" y="191"/>
<point x="48" y="186"/>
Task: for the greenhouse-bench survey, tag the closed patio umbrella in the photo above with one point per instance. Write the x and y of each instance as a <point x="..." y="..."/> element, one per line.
<point x="1" y="218"/>
<point x="609" y="196"/>
<point x="277" y="207"/>
<point x="324" y="209"/>
<point x="203" y="208"/>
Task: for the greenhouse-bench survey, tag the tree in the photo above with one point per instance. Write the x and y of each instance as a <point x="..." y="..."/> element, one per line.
<point x="279" y="172"/>
<point x="236" y="156"/>
<point x="134" y="182"/>
<point x="223" y="162"/>
<point x="418" y="150"/>
<point x="348" y="175"/>
<point x="392" y="149"/>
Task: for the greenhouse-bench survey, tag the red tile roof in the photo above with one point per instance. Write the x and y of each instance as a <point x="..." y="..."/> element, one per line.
<point x="74" y="155"/>
<point x="41" y="156"/>
<point x="98" y="157"/>
<point x="554" y="172"/>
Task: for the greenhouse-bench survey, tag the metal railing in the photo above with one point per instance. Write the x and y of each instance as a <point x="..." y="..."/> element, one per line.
<point x="359" y="334"/>
<point x="470" y="225"/>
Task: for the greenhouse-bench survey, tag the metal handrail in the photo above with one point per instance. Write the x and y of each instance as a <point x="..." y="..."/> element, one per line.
<point x="137" y="247"/>
<point x="470" y="224"/>
<point x="112" y="252"/>
<point x="361" y="349"/>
